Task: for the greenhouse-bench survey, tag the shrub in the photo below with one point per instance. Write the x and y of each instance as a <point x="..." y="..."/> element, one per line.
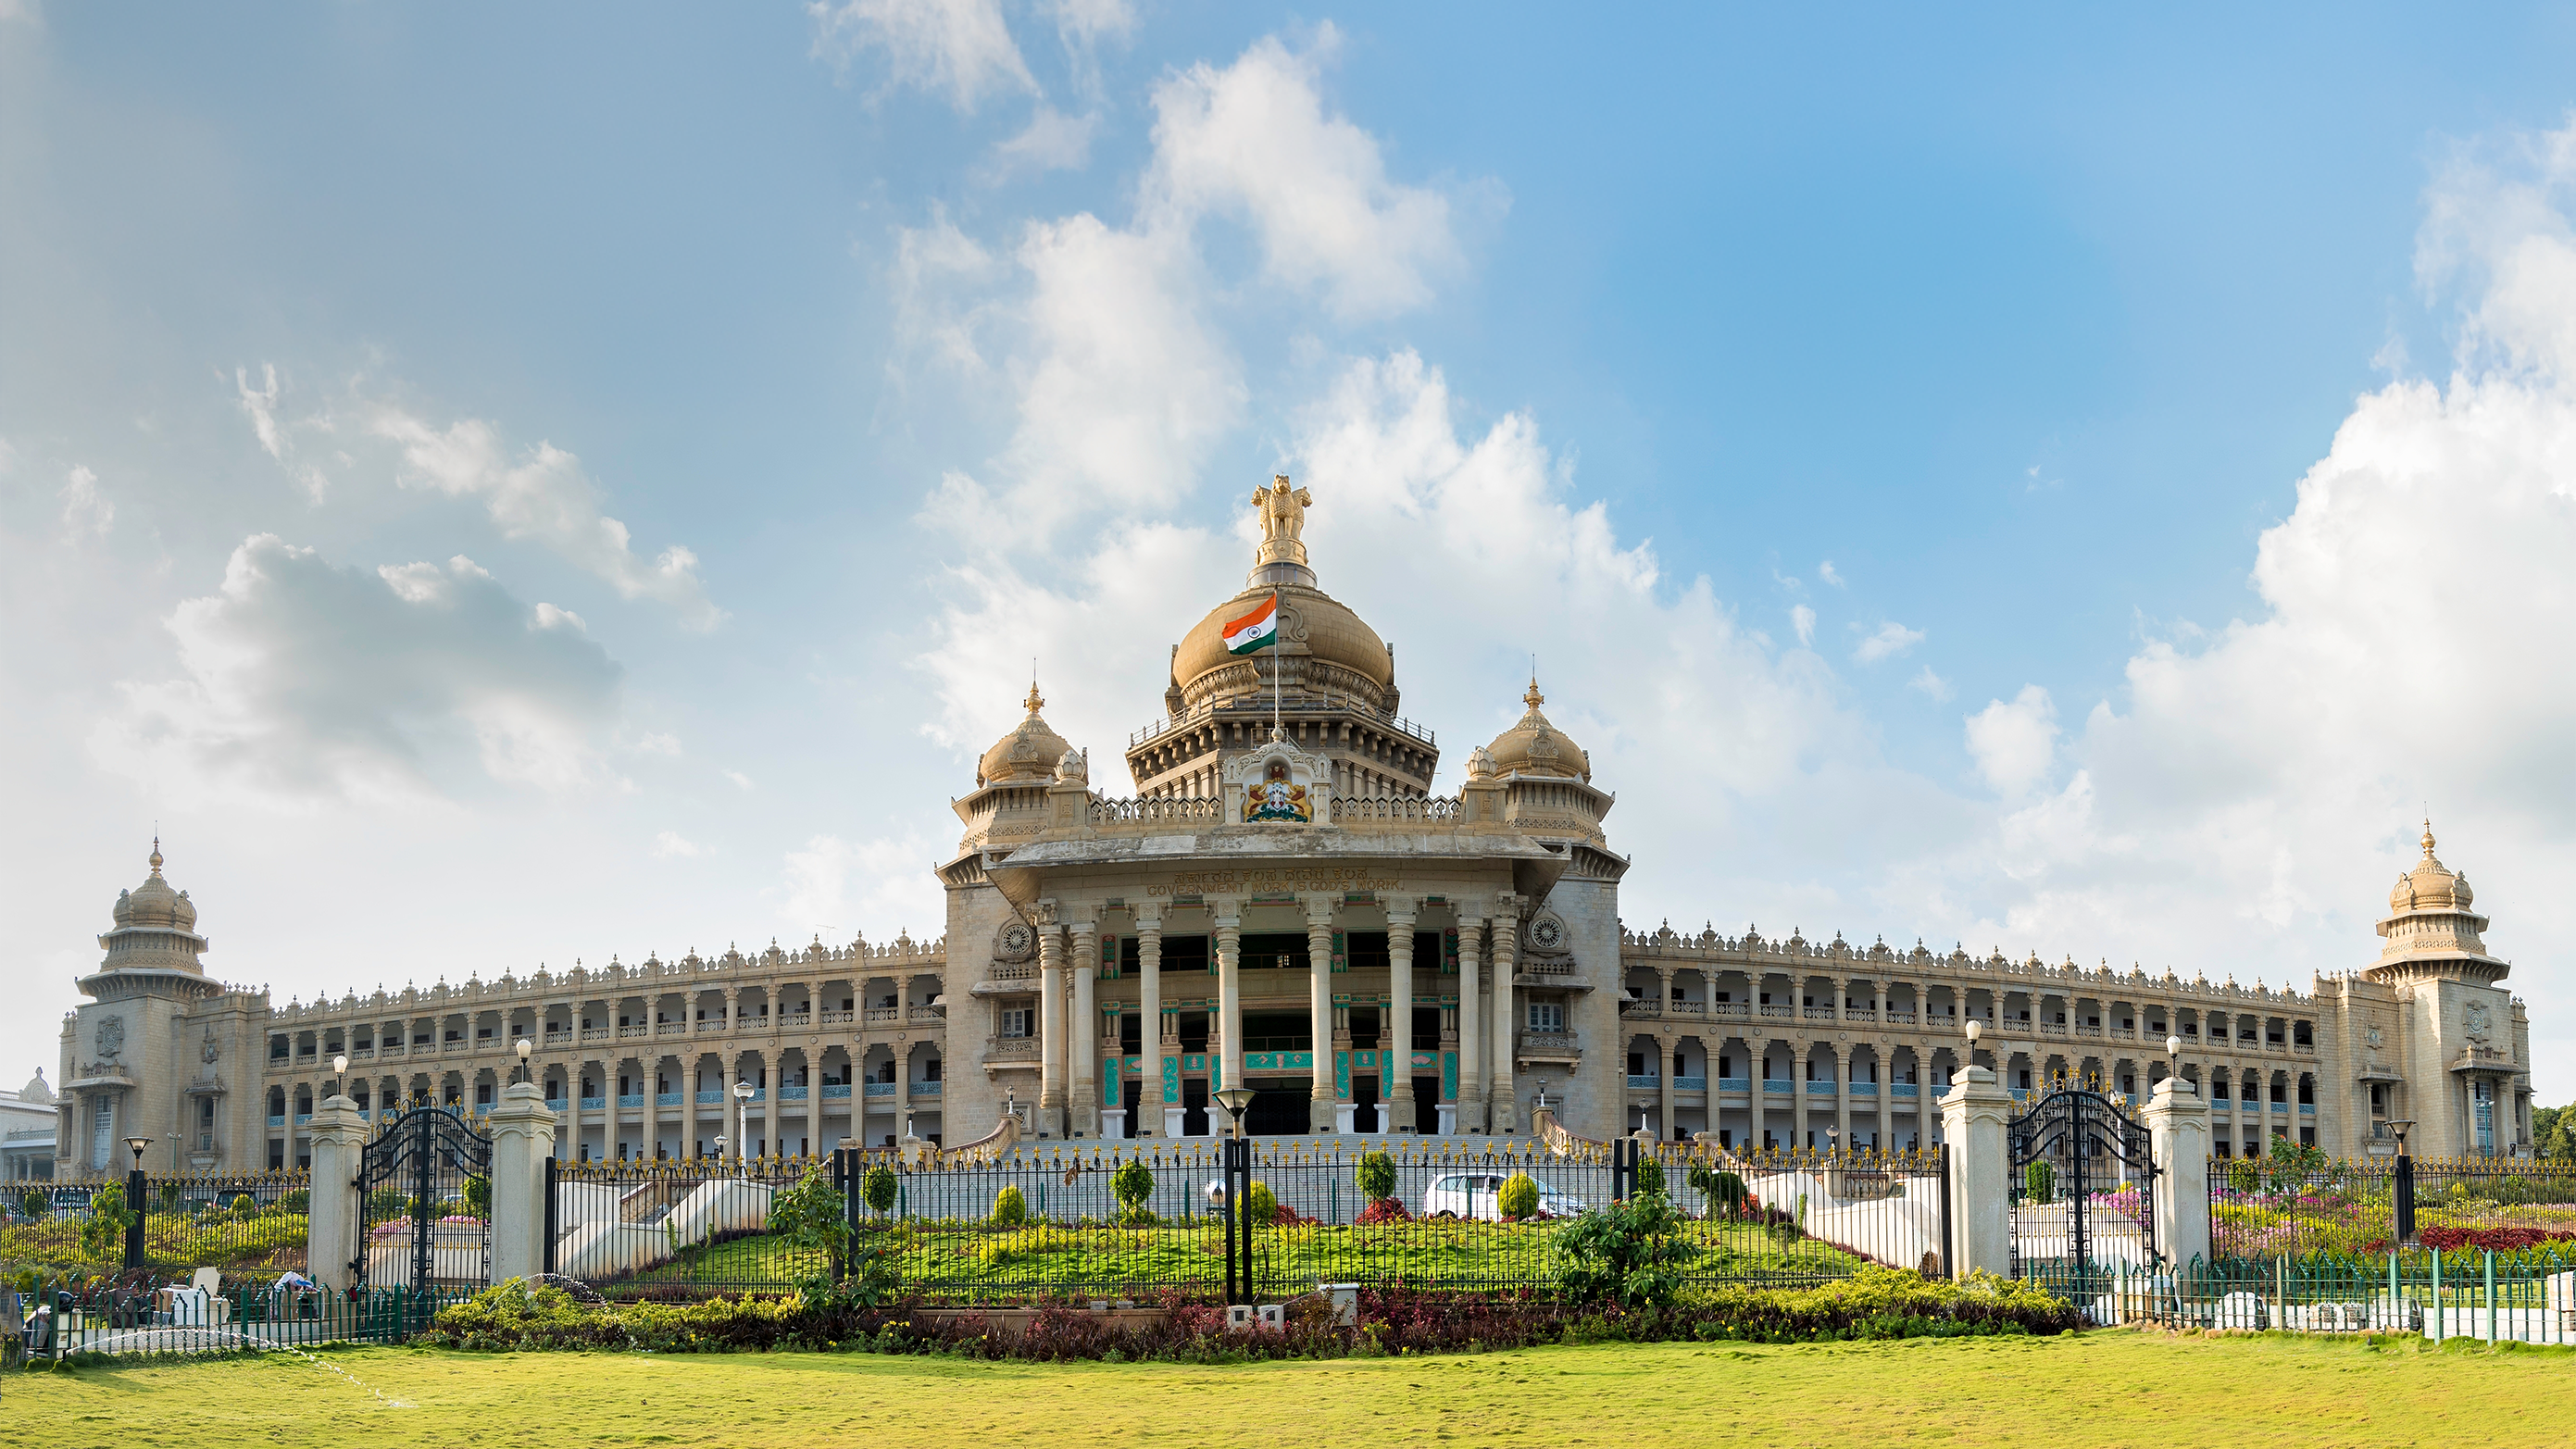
<point x="1133" y="1185"/>
<point x="1724" y="1191"/>
<point x="2242" y="1176"/>
<point x="1384" y="1210"/>
<point x="169" y="1197"/>
<point x="246" y="1207"/>
<point x="478" y="1197"/>
<point x="1519" y="1197"/>
<point x="2039" y="1182"/>
<point x="877" y="1188"/>
<point x="1630" y="1253"/>
<point x="1260" y="1208"/>
<point x="1377" y="1175"/>
<point x="1010" y="1207"/>
<point x="301" y="1199"/>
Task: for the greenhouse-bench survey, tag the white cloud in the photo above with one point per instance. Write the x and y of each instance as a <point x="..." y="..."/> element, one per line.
<point x="1826" y="572"/>
<point x="1932" y="684"/>
<point x="838" y="889"/>
<point x="1890" y="640"/>
<point x="740" y="780"/>
<point x="1082" y="25"/>
<point x="2014" y="744"/>
<point x="1053" y="141"/>
<point x="259" y="404"/>
<point x="86" y="511"/>
<point x="543" y="494"/>
<point x="1255" y="140"/>
<point x="670" y="845"/>
<point x="302" y="681"/>
<point x="1803" y="619"/>
<point x="659" y="744"/>
<point x="962" y="47"/>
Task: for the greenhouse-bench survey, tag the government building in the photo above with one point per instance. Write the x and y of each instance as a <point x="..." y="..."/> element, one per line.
<point x="1285" y="902"/>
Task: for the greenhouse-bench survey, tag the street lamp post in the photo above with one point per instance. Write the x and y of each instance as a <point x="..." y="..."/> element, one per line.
<point x="1237" y="1163"/>
<point x="2405" y="1187"/>
<point x="134" y="1190"/>
<point x="526" y="1048"/>
<point x="741" y="1118"/>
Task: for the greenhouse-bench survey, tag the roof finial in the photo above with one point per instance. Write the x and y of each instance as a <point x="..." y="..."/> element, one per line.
<point x="1533" y="699"/>
<point x="1035" y="701"/>
<point x="2428" y="837"/>
<point x="156" y="854"/>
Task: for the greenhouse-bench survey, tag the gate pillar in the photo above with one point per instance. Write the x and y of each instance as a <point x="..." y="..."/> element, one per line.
<point x="339" y="1136"/>
<point x="523" y="1136"/>
<point x="2178" y="1127"/>
<point x="1973" y="1114"/>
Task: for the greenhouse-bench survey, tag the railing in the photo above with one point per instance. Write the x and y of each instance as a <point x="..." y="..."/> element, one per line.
<point x="1559" y="1044"/>
<point x="1263" y="706"/>
<point x="1780" y="1012"/>
<point x="884" y="1013"/>
<point x="791" y="1094"/>
<point x="926" y="1089"/>
<point x="1151" y="809"/>
<point x="719" y="1023"/>
<point x="1818" y="1013"/>
<point x="1779" y="1086"/>
<point x="241" y="1318"/>
<point x="711" y="1098"/>
<point x="1690" y="1084"/>
<point x="557" y="1036"/>
<point x="1012" y="1046"/>
<point x="1428" y="809"/>
<point x="833" y="1018"/>
<point x="927" y="1013"/>
<point x="2473" y="1294"/>
<point x="836" y="1091"/>
<point x="1644" y="1083"/>
<point x="1737" y="1010"/>
<point x="2264" y="1207"/>
<point x="634" y="1031"/>
<point x="1735" y="1084"/>
<point x="1632" y="1006"/>
<point x="879" y="1089"/>
<point x="594" y="1033"/>
<point x="1904" y="1089"/>
<point x="630" y="1099"/>
<point x="594" y="1104"/>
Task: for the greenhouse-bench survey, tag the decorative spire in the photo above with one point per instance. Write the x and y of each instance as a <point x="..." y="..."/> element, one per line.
<point x="1533" y="699"/>
<point x="156" y="855"/>
<point x="1035" y="701"/>
<point x="2428" y="837"/>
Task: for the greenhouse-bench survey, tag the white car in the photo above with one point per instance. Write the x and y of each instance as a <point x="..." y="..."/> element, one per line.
<point x="1479" y="1195"/>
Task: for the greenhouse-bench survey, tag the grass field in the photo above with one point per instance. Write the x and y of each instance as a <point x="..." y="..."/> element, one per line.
<point x="2097" y="1391"/>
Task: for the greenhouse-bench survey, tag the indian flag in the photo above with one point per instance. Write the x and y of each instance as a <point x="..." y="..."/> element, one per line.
<point x="1255" y="630"/>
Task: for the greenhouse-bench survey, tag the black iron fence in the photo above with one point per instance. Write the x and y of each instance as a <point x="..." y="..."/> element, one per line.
<point x="125" y="1315"/>
<point x="244" y="1229"/>
<point x="1149" y="1220"/>
<point x="2302" y="1205"/>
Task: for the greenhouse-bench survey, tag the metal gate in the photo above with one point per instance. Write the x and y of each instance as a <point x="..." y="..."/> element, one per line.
<point x="2083" y="1185"/>
<point x="425" y="1189"/>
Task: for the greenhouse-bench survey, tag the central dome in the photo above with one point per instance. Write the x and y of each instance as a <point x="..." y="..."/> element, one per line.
<point x="1311" y="623"/>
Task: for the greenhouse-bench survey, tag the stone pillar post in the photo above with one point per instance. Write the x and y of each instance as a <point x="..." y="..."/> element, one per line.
<point x="1973" y="1114"/>
<point x="1664" y="993"/>
<point x="1322" y="1094"/>
<point x="1399" y="1034"/>
<point x="522" y="1132"/>
<point x="1149" y="1001"/>
<point x="1886" y="1060"/>
<point x="1085" y="1040"/>
<point x="1758" y="1061"/>
<point x="2178" y="1128"/>
<point x="1050" y="1025"/>
<point x="339" y="1135"/>
<point x="1505" y="1093"/>
<point x="1229" y="1001"/>
<point x="1471" y="1025"/>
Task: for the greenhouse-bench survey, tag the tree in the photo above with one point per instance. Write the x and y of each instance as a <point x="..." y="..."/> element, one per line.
<point x="1650" y="1177"/>
<point x="2553" y="1132"/>
<point x="814" y="1221"/>
<point x="2039" y="1182"/>
<point x="103" y="1236"/>
<point x="1724" y="1191"/>
<point x="1133" y="1185"/>
<point x="1260" y="1205"/>
<point x="1519" y="1197"/>
<point x="1377" y="1175"/>
<point x="1010" y="1207"/>
<point x="877" y="1188"/>
<point x="36" y="1205"/>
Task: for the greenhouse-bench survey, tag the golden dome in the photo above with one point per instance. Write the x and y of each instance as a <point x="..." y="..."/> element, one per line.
<point x="2430" y="885"/>
<point x="153" y="903"/>
<point x="1030" y="752"/>
<point x="1311" y="627"/>
<point x="1535" y="747"/>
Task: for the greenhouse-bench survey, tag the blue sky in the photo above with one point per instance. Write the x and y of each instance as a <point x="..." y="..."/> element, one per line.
<point x="501" y="487"/>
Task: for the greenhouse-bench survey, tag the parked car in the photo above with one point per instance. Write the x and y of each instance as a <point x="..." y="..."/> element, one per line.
<point x="1479" y="1195"/>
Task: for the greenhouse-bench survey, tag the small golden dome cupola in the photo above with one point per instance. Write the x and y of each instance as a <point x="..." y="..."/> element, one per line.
<point x="1029" y="753"/>
<point x="2431" y="930"/>
<point x="1535" y="747"/>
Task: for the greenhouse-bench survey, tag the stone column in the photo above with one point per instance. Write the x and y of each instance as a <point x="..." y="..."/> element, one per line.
<point x="1471" y="1026"/>
<point x="1399" y="1034"/>
<point x="1664" y="1071"/>
<point x="1886" y="1090"/>
<point x="1229" y="1001"/>
<point x="902" y="1094"/>
<point x="1323" y="1094"/>
<point x="522" y="1131"/>
<point x="1050" y="1028"/>
<point x="1149" y="1001"/>
<point x="339" y="1135"/>
<point x="1085" y="1023"/>
<point x="1973" y="1114"/>
<point x="1505" y="1094"/>
<point x="2178" y="1128"/>
<point x="1758" y="1061"/>
<point x="1798" y="1094"/>
<point x="1842" y="1093"/>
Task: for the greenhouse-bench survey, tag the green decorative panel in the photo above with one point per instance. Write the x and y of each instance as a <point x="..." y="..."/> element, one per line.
<point x="1342" y="1075"/>
<point x="1341" y="951"/>
<point x="1448" y="1076"/>
<point x="1171" y="1081"/>
<point x="1449" y="952"/>
<point x="1278" y="1061"/>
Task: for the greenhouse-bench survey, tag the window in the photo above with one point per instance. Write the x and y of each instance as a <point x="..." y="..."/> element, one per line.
<point x="1015" y="1021"/>
<point x="1547" y="1016"/>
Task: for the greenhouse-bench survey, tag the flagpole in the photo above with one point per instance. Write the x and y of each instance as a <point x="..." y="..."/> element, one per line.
<point x="1277" y="655"/>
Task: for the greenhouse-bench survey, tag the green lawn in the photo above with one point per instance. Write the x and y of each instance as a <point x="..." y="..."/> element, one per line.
<point x="2098" y="1391"/>
<point x="951" y="1262"/>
